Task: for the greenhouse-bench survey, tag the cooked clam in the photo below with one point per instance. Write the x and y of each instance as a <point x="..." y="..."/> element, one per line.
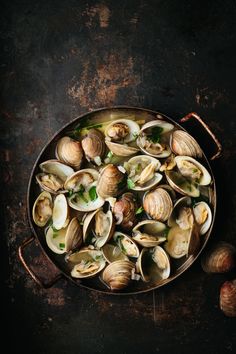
<point x="158" y="204"/>
<point x="221" y="258"/>
<point x="153" y="138"/>
<point x="182" y="214"/>
<point x="126" y="244"/>
<point x="228" y="298"/>
<point x="124" y="211"/>
<point x="113" y="253"/>
<point x="149" y="233"/>
<point x="49" y="182"/>
<point x="192" y="169"/>
<point x="86" y="263"/>
<point x="56" y="168"/>
<point x="111" y="182"/>
<point x="117" y="275"/>
<point x="182" y="185"/>
<point x="154" y="264"/>
<point x="60" y="212"/>
<point x="64" y="240"/>
<point x="98" y="227"/>
<point x="82" y="186"/>
<point x="70" y="152"/>
<point x="182" y="143"/>
<point x="142" y="172"/>
<point x="42" y="209"/>
<point x="203" y="216"/>
<point x="119" y="133"/>
<point x="94" y="146"/>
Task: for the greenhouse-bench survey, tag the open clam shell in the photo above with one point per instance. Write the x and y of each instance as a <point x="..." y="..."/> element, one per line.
<point x="50" y="183"/>
<point x="184" y="202"/>
<point x="153" y="264"/>
<point x="98" y="226"/>
<point x="82" y="186"/>
<point x="142" y="172"/>
<point x="117" y="275"/>
<point x="182" y="143"/>
<point x="70" y="152"/>
<point x="56" y="168"/>
<point x="181" y="184"/>
<point x="64" y="240"/>
<point x="149" y="233"/>
<point x="191" y="168"/>
<point x="158" y="204"/>
<point x="113" y="253"/>
<point x="126" y="244"/>
<point x="153" y="139"/>
<point x="42" y="209"/>
<point x="203" y="216"/>
<point x="86" y="263"/>
<point x="122" y="130"/>
<point x="60" y="212"/>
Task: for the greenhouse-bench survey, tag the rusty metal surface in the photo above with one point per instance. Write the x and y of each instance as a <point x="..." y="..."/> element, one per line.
<point x="61" y="59"/>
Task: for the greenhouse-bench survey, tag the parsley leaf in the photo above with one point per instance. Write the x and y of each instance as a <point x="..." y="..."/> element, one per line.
<point x="130" y="183"/>
<point x="139" y="210"/>
<point x="155" y="135"/>
<point x="93" y="193"/>
<point x="61" y="245"/>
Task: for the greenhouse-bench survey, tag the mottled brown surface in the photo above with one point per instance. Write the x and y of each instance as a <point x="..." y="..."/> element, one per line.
<point x="61" y="59"/>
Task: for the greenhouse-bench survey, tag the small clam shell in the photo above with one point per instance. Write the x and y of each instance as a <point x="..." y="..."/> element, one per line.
<point x="182" y="143"/>
<point x="122" y="130"/>
<point x="121" y="150"/>
<point x="178" y="242"/>
<point x="203" y="216"/>
<point x="228" y="298"/>
<point x="42" y="209"/>
<point x="93" y="144"/>
<point x="113" y="253"/>
<point x="56" y="168"/>
<point x="60" y="213"/>
<point x="158" y="204"/>
<point x="126" y="244"/>
<point x="221" y="258"/>
<point x="111" y="182"/>
<point x="70" y="152"/>
<point x="181" y="184"/>
<point x="87" y="263"/>
<point x="49" y="182"/>
<point x="191" y="169"/>
<point x="149" y="233"/>
<point x="124" y="211"/>
<point x="117" y="275"/>
<point x="184" y="202"/>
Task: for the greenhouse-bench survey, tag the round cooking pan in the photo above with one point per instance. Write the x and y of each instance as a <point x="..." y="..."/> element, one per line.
<point x="178" y="266"/>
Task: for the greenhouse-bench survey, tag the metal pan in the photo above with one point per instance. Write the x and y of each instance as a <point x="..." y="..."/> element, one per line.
<point x="94" y="284"/>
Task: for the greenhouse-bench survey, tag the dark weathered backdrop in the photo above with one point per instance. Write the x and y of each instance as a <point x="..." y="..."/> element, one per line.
<point x="63" y="58"/>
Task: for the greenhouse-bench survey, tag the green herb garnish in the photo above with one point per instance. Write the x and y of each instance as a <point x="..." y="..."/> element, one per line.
<point x="76" y="132"/>
<point x="119" y="238"/>
<point x="70" y="193"/>
<point x="135" y="135"/>
<point x="93" y="193"/>
<point x="61" y="246"/>
<point x="109" y="155"/>
<point x="166" y="232"/>
<point x="155" y="136"/>
<point x="130" y="183"/>
<point x="139" y="210"/>
<point x="55" y="232"/>
<point x="94" y="126"/>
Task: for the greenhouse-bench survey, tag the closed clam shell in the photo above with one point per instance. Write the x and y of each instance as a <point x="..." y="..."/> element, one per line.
<point x="117" y="275"/>
<point x="93" y="144"/>
<point x="111" y="182"/>
<point x="221" y="258"/>
<point x="70" y="152"/>
<point x="158" y="204"/>
<point x="124" y="211"/>
<point x="228" y="298"/>
<point x="182" y="143"/>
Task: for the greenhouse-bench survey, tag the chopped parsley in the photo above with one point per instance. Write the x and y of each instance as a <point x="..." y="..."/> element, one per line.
<point x="155" y="135"/>
<point x="130" y="183"/>
<point x="70" y="192"/>
<point x="109" y="155"/>
<point x="93" y="193"/>
<point x="166" y="232"/>
<point x="55" y="232"/>
<point x="139" y="210"/>
<point x="94" y="126"/>
<point x="119" y="239"/>
<point x="61" y="246"/>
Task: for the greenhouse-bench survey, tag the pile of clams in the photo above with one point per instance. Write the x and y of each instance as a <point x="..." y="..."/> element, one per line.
<point x="125" y="200"/>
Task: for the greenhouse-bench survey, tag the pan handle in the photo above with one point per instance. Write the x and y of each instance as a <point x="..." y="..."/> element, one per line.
<point x="41" y="283"/>
<point x="206" y="127"/>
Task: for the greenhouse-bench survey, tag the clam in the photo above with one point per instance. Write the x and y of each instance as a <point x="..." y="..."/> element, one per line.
<point x="98" y="227"/>
<point x="153" y="138"/>
<point x="189" y="176"/>
<point x="124" y="211"/>
<point x="70" y="152"/>
<point x="142" y="172"/>
<point x="111" y="182"/>
<point x="57" y="169"/>
<point x="60" y="212"/>
<point x="182" y="214"/>
<point x="42" y="209"/>
<point x="82" y="187"/>
<point x="153" y="264"/>
<point x="126" y="244"/>
<point x="86" y="263"/>
<point x="119" y="133"/>
<point x="228" y="298"/>
<point x="117" y="275"/>
<point x="149" y="233"/>
<point x="203" y="216"/>
<point x="94" y="146"/>
<point x="113" y="253"/>
<point x="49" y="182"/>
<point x="182" y="143"/>
<point x="221" y="258"/>
<point x="178" y="242"/>
<point x="66" y="239"/>
<point x="158" y="204"/>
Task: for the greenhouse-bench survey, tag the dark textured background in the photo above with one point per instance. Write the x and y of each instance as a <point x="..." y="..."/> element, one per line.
<point x="63" y="58"/>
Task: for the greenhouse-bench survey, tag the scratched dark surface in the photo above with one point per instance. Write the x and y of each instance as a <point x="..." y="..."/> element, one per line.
<point x="60" y="59"/>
